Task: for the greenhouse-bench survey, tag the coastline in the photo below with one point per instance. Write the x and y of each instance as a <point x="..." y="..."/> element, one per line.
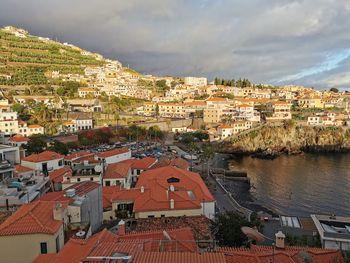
<point x="240" y="190"/>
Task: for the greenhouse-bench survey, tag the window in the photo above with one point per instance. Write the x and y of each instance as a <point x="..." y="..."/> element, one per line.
<point x="43" y="248"/>
<point x="151" y="216"/>
<point x="60" y="162"/>
<point x="57" y="244"/>
<point x="108" y="183"/>
<point x="91" y="178"/>
<point x="78" y="179"/>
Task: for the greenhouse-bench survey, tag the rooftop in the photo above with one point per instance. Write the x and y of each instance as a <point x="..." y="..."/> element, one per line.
<point x="42" y="157"/>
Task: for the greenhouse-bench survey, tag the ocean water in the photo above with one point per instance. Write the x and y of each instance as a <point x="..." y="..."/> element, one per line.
<point x="300" y="185"/>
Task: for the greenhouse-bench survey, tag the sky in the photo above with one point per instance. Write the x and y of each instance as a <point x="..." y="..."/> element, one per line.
<point x="276" y="42"/>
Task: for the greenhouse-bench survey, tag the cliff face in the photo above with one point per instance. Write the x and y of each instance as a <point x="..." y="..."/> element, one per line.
<point x="290" y="138"/>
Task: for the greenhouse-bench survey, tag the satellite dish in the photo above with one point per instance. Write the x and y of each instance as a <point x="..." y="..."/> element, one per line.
<point x="80" y="233"/>
<point x="253" y="234"/>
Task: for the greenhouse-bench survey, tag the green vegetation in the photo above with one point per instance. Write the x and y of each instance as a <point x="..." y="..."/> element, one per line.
<point x="27" y="59"/>
<point x="227" y="229"/>
<point x="36" y="144"/>
<point x="241" y="83"/>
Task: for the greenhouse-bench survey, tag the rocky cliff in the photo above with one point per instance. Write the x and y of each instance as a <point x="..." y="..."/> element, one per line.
<point x="270" y="141"/>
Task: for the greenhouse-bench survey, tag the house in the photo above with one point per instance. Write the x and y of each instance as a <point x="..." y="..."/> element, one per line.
<point x="177" y="162"/>
<point x="140" y="165"/>
<point x="18" y="140"/>
<point x="84" y="123"/>
<point x="164" y="192"/>
<point x="334" y="231"/>
<point x="43" y="162"/>
<point x="114" y="156"/>
<point x="278" y="110"/>
<point x="84" y="207"/>
<point x="83" y="92"/>
<point x="118" y="174"/>
<point x="85" y="166"/>
<point x="35" y="129"/>
<point x="34" y="229"/>
<point x="69" y="126"/>
<point x="167" y="245"/>
<point x="196" y="81"/>
<point x="23" y="172"/>
<point x="9" y="156"/>
<point x="56" y="177"/>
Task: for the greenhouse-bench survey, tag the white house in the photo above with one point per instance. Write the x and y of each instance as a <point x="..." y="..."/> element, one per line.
<point x="43" y="162"/>
<point x="118" y="174"/>
<point x="114" y="156"/>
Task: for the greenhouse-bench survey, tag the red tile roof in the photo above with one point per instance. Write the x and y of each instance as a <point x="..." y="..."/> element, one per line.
<point x="57" y="197"/>
<point x="117" y="170"/>
<point x="141" y="164"/>
<point x="262" y="254"/>
<point x="178" y="162"/>
<point x="105" y="243"/>
<point x="34" y="126"/>
<point x="18" y="138"/>
<point x="83" y="188"/>
<point x="111" y="193"/>
<point x="190" y="190"/>
<point x="76" y="155"/>
<point x="173" y="257"/>
<point x="32" y="218"/>
<point x="42" y="157"/>
<point x="56" y="176"/>
<point x="22" y="169"/>
<point x="113" y="152"/>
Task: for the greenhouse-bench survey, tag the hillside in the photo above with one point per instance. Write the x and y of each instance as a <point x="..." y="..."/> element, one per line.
<point x="289" y="138"/>
<point x="27" y="60"/>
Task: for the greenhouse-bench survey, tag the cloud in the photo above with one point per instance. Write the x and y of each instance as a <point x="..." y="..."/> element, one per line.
<point x="282" y="41"/>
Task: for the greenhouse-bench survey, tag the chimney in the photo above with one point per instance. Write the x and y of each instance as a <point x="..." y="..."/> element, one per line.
<point x="121" y="228"/>
<point x="172" y="188"/>
<point x="58" y="212"/>
<point x="172" y="204"/>
<point x="280" y="237"/>
<point x="142" y="189"/>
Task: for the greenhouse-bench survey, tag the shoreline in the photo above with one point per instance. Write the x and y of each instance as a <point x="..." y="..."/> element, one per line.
<point x="240" y="190"/>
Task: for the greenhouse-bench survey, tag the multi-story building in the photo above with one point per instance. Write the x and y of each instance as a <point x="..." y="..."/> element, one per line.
<point x="278" y="110"/>
<point x="34" y="229"/>
<point x="196" y="81"/>
<point x="43" y="162"/>
<point x="83" y="92"/>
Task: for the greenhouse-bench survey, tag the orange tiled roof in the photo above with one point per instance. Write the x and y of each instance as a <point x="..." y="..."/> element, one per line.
<point x="112" y="152"/>
<point x="32" y="218"/>
<point x="225" y="126"/>
<point x="178" y="162"/>
<point x="142" y="164"/>
<point x="107" y="244"/>
<point x="76" y="155"/>
<point x="34" y="126"/>
<point x="157" y="182"/>
<point x="117" y="170"/>
<point x="83" y="188"/>
<point x="18" y="138"/>
<point x="42" y="157"/>
<point x="56" y="176"/>
<point x="22" y="169"/>
<point x="288" y="255"/>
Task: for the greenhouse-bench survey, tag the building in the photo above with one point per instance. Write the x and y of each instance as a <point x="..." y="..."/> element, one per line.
<point x="84" y="92"/>
<point x="118" y="174"/>
<point x="334" y="231"/>
<point x="18" y="140"/>
<point x="114" y="156"/>
<point x="34" y="229"/>
<point x="57" y="177"/>
<point x="84" y="208"/>
<point x="140" y="165"/>
<point x="196" y="81"/>
<point x="164" y="192"/>
<point x="44" y="162"/>
<point x="83" y="123"/>
<point x="278" y="110"/>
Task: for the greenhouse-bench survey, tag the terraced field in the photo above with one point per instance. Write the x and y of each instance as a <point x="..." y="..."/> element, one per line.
<point x="27" y="59"/>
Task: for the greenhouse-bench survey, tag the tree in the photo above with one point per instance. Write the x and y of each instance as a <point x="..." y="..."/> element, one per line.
<point x="59" y="147"/>
<point x="207" y="154"/>
<point x="335" y="90"/>
<point x="227" y="227"/>
<point x="36" y="144"/>
<point x="19" y="108"/>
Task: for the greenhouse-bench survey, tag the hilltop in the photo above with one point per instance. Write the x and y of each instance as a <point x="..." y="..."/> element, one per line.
<point x="31" y="60"/>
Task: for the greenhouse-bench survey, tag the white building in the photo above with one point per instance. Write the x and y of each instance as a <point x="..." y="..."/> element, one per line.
<point x="334" y="231"/>
<point x="114" y="156"/>
<point x="196" y="81"/>
<point x="43" y="162"/>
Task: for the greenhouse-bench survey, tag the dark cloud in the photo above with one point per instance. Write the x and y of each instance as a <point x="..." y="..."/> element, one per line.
<point x="265" y="40"/>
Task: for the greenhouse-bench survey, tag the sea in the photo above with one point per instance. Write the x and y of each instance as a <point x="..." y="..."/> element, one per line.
<point x="299" y="185"/>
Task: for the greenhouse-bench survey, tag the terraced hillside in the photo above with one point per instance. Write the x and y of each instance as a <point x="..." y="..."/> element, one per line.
<point x="26" y="60"/>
